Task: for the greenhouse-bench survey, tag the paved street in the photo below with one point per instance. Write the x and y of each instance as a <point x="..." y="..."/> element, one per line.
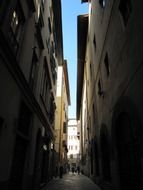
<point x="71" y="182"/>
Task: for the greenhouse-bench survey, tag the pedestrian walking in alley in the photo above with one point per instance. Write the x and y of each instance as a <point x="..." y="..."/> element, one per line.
<point x="73" y="170"/>
<point x="61" y="171"/>
<point x="78" y="170"/>
<point x="56" y="172"/>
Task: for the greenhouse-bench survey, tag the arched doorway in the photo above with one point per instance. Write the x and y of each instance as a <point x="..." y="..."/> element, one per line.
<point x="37" y="161"/>
<point x="105" y="153"/>
<point x="129" y="161"/>
<point x="128" y="140"/>
<point x="91" y="160"/>
<point x="96" y="158"/>
<point x="45" y="161"/>
<point x="21" y="146"/>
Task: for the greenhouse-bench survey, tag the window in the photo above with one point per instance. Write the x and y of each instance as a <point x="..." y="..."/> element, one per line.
<point x="48" y="45"/>
<point x="33" y="70"/>
<point x="49" y="24"/>
<point x="125" y="9"/>
<point x="17" y="21"/>
<point x="64" y="143"/>
<point x="100" y="91"/>
<point x="41" y="21"/>
<point x="50" y="105"/>
<point x="1" y="123"/>
<point x="106" y="62"/>
<point x="102" y="3"/>
<point x="94" y="41"/>
<point x="31" y="5"/>
<point x="78" y="135"/>
<point x="43" y="3"/>
<point x="46" y="94"/>
<point x="16" y="27"/>
<point x="14" y="21"/>
<point x="39" y="25"/>
<point x="91" y="11"/>
<point x="3" y="10"/>
<point x="64" y="127"/>
<point x="25" y="117"/>
<point x="90" y="70"/>
<point x="76" y="147"/>
<point x="93" y="111"/>
<point x="53" y="67"/>
<point x="71" y="147"/>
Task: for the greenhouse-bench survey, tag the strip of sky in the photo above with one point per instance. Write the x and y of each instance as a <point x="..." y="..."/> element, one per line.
<point x="70" y="10"/>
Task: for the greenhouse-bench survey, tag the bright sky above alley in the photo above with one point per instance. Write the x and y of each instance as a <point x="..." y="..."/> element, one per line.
<point x="70" y="10"/>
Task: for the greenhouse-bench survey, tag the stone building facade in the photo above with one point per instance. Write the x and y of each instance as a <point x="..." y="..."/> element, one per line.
<point x="73" y="143"/>
<point x="30" y="52"/>
<point x="61" y="117"/>
<point x="109" y="93"/>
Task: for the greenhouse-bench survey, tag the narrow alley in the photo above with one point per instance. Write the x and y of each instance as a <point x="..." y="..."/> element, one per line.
<point x="71" y="94"/>
<point x="71" y="182"/>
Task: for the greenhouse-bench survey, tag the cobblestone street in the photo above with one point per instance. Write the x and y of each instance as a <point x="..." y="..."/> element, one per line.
<point x="71" y="182"/>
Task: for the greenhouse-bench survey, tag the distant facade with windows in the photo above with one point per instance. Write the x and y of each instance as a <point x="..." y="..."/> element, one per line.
<point x="73" y="142"/>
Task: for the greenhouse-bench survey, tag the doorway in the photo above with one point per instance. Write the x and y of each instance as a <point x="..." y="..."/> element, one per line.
<point x="128" y="153"/>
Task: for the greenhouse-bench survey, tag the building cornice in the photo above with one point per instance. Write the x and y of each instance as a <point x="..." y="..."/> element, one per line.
<point x="58" y="29"/>
<point x="84" y="1"/>
<point x="67" y="81"/>
<point x="82" y="22"/>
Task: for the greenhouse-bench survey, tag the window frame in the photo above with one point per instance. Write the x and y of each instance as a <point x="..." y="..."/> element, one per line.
<point x="125" y="9"/>
<point x="102" y="3"/>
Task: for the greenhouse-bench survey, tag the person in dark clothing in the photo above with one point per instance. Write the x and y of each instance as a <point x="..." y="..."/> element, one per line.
<point x="78" y="169"/>
<point x="73" y="170"/>
<point x="56" y="172"/>
<point x="61" y="171"/>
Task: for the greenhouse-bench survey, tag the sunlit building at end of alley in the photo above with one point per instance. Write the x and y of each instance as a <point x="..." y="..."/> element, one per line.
<point x="73" y="143"/>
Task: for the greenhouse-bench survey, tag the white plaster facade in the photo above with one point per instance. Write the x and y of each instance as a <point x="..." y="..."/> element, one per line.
<point x="73" y="142"/>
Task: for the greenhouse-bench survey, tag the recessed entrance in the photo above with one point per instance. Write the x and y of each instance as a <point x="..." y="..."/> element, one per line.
<point x="128" y="153"/>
